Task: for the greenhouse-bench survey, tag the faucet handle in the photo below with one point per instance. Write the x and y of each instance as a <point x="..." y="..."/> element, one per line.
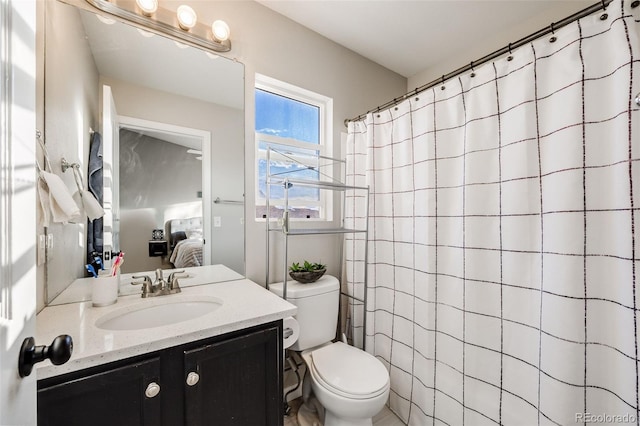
<point x="147" y="285"/>
<point x="174" y="273"/>
<point x="174" y="285"/>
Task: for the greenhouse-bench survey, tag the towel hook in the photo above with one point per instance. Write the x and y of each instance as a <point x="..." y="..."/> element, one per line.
<point x="65" y="165"/>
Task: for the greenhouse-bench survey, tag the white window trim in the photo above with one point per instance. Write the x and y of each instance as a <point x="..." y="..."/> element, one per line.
<point x="325" y="145"/>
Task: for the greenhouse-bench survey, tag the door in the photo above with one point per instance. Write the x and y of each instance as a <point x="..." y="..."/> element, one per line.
<point x="236" y="381"/>
<point x="17" y="207"/>
<point x="110" y="156"/>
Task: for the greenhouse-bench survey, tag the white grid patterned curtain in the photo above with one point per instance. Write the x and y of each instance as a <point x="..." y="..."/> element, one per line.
<point x="503" y="246"/>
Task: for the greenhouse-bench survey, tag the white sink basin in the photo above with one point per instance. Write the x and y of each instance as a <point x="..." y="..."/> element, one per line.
<point x="158" y="312"/>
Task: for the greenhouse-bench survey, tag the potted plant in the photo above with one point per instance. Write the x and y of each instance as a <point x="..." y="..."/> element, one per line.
<point x="308" y="272"/>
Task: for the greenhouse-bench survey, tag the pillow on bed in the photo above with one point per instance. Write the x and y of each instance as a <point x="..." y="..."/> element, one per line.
<point x="194" y="233"/>
<point x="176" y="237"/>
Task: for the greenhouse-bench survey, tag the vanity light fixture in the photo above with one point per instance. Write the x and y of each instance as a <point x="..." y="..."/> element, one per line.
<point x="148" y="7"/>
<point x="187" y="17"/>
<point x="182" y="24"/>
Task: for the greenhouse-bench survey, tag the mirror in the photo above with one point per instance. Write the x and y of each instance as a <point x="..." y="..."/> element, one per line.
<point x="171" y="122"/>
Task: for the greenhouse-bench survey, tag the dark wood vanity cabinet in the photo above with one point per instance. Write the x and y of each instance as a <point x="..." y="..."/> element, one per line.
<point x="114" y="396"/>
<point x="229" y="380"/>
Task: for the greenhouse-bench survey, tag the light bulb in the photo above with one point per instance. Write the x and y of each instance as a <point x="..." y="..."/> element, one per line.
<point x="220" y="30"/>
<point x="148" y="7"/>
<point x="187" y="17"/>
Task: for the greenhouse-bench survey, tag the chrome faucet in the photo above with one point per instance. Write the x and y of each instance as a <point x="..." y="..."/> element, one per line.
<point x="160" y="287"/>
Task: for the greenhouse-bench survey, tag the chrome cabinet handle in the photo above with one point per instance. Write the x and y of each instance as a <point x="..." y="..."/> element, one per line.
<point x="637" y="99"/>
<point x="153" y="389"/>
<point x="193" y="378"/>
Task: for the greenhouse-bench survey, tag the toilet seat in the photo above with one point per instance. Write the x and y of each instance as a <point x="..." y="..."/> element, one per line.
<point x="349" y="372"/>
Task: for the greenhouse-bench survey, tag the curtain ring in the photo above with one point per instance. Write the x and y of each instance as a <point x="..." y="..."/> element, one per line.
<point x="553" y="30"/>
<point x="605" y="15"/>
<point x="473" y="73"/>
<point x="443" y="87"/>
<point x="510" y="57"/>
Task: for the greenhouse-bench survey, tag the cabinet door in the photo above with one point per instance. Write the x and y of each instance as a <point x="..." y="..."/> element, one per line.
<point x="240" y="381"/>
<point x="108" y="398"/>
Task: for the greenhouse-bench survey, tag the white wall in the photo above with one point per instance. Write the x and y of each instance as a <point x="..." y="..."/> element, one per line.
<point x="71" y="93"/>
<point x="479" y="48"/>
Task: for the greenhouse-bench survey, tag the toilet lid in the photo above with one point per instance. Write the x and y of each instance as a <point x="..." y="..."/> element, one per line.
<point x="350" y="370"/>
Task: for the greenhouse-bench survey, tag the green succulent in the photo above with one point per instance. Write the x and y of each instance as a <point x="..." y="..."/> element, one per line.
<point x="306" y="267"/>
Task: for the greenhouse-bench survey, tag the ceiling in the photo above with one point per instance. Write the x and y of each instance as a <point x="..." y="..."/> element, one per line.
<point x="411" y="36"/>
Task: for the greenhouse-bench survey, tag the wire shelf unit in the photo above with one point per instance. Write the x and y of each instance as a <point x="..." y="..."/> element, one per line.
<point x="324" y="169"/>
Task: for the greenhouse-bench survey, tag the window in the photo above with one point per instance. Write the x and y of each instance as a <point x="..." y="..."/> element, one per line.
<point x="293" y="128"/>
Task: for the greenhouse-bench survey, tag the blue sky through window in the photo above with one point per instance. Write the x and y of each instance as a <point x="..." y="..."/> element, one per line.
<point x="280" y="116"/>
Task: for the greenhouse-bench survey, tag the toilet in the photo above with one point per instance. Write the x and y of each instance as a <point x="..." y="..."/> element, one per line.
<point x="351" y="384"/>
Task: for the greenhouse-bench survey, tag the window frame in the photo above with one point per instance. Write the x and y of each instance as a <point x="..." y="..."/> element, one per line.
<point x="324" y="145"/>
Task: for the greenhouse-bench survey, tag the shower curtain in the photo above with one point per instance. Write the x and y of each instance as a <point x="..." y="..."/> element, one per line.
<point x="503" y="245"/>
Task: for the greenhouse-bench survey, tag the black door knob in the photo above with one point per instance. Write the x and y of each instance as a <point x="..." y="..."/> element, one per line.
<point x="58" y="352"/>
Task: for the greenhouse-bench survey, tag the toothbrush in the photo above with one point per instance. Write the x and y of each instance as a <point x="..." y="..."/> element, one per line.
<point x="98" y="262"/>
<point x="117" y="263"/>
<point x="91" y="270"/>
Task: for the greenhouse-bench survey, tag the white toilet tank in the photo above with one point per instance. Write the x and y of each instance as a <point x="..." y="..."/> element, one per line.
<point x="317" y="309"/>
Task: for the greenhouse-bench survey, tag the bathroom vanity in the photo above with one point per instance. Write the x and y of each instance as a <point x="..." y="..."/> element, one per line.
<point x="222" y="367"/>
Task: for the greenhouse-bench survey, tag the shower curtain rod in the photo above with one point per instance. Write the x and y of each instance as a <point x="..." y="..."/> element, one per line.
<point x="507" y="49"/>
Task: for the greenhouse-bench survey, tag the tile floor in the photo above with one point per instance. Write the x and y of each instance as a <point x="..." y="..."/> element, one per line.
<point x="384" y="418"/>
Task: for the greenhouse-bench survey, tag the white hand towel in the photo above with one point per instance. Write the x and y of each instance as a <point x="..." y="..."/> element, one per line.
<point x="63" y="208"/>
<point x="92" y="207"/>
<point x="43" y="203"/>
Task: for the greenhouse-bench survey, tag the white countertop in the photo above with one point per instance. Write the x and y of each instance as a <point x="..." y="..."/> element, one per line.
<point x="245" y="304"/>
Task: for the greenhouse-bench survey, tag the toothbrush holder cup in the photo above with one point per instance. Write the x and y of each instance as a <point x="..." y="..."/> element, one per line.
<point x="104" y="289"/>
